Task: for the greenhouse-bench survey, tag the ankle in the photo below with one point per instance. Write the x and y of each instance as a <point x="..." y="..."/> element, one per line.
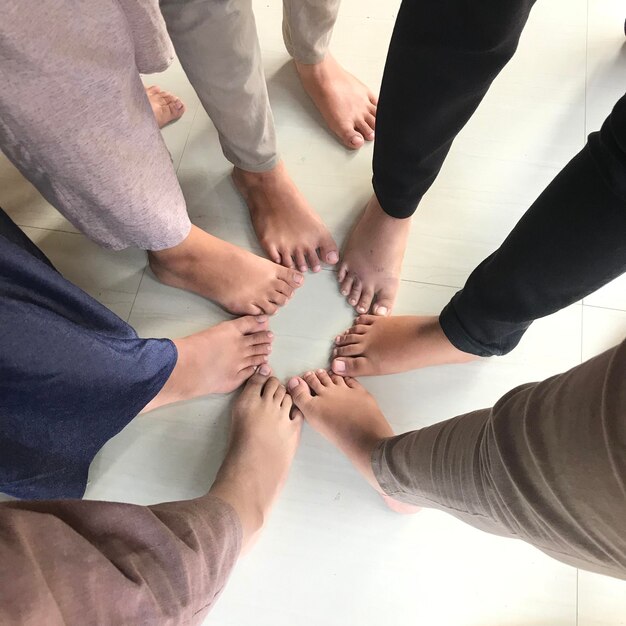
<point x="253" y="179"/>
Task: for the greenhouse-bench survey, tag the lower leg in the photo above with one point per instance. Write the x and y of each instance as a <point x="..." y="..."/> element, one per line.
<point x="240" y="281"/>
<point x="346" y="104"/>
<point x="263" y="442"/>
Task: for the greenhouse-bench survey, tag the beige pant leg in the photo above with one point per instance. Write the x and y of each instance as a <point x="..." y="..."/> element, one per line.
<point x="75" y="120"/>
<point x="92" y="563"/>
<point x="547" y="464"/>
<point x="307" y="28"/>
<point x="216" y="42"/>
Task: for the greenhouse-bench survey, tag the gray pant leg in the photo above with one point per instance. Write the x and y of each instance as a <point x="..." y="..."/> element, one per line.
<point x="92" y="563"/>
<point x="307" y="28"/>
<point x="216" y="42"/>
<point x="75" y="120"/>
<point x="547" y="464"/>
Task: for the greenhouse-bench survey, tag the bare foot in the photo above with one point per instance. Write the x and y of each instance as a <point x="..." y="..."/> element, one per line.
<point x="346" y="104"/>
<point x="216" y="360"/>
<point x="236" y="279"/>
<point x="343" y="412"/>
<point x="369" y="272"/>
<point x="389" y="345"/>
<point x="263" y="443"/>
<point x="287" y="227"/>
<point x="167" y="108"/>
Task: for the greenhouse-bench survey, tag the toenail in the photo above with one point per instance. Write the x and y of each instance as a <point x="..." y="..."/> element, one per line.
<point x="344" y="292"/>
<point x="298" y="278"/>
<point x="261" y="318"/>
<point x="317" y="268"/>
<point x="264" y="370"/>
<point x="320" y="371"/>
<point x="302" y="268"/>
<point x="270" y="334"/>
<point x="293" y="383"/>
<point x="335" y="352"/>
<point x="352" y="302"/>
<point x="337" y="338"/>
<point x="339" y="366"/>
<point x="332" y="257"/>
<point x="381" y="310"/>
<point x="361" y="309"/>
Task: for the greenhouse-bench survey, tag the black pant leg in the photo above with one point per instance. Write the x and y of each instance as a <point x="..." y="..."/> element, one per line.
<point x="442" y="59"/>
<point x="569" y="243"/>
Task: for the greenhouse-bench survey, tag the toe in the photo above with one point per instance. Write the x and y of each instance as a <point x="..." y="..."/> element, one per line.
<point x="292" y="278"/>
<point x="271" y="387"/>
<point x="383" y="306"/>
<point x="346" y="285"/>
<point x="355" y="292"/>
<point x="260" y="338"/>
<point x="300" y="259"/>
<point x="313" y="382"/>
<point x="323" y="377"/>
<point x="346" y="340"/>
<point x="350" y="366"/>
<point x="280" y="394"/>
<point x="300" y="393"/>
<point x="259" y="350"/>
<point x="353" y="383"/>
<point x="341" y="273"/>
<point x="350" y="137"/>
<point x="256" y="382"/>
<point x="313" y="259"/>
<point x="373" y="98"/>
<point x="268" y="307"/>
<point x="286" y="259"/>
<point x="365" y="130"/>
<point x="296" y="415"/>
<point x="274" y="254"/>
<point x="365" y="302"/>
<point x="329" y="252"/>
<point x="354" y="349"/>
<point x="358" y="329"/>
<point x="365" y="320"/>
<point x="279" y="299"/>
<point x="337" y="380"/>
<point x="251" y="324"/>
<point x="253" y="361"/>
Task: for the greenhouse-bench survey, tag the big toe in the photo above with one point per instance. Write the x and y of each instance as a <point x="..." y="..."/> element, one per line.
<point x="257" y="381"/>
<point x="384" y="303"/>
<point x="350" y="366"/>
<point x="299" y="392"/>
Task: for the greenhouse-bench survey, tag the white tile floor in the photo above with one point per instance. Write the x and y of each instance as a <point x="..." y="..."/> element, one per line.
<point x="332" y="554"/>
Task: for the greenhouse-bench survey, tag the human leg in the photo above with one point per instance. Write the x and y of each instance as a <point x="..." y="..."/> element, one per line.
<point x="218" y="47"/>
<point x="568" y="244"/>
<point x="72" y="374"/>
<point x="442" y="60"/>
<point x="346" y="104"/>
<point x="63" y="561"/>
<point x="546" y="464"/>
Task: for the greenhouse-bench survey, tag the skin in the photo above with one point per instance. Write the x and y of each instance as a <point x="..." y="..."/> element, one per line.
<point x="167" y="107"/>
<point x="375" y="345"/>
<point x="346" y="104"/>
<point x="214" y="269"/>
<point x="344" y="413"/>
<point x="289" y="231"/>
<point x="369" y="271"/>
<point x="217" y="360"/>
<point x="263" y="442"/>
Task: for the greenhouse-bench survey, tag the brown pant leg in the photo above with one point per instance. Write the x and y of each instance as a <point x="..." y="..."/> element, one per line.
<point x="86" y="562"/>
<point x="547" y="464"/>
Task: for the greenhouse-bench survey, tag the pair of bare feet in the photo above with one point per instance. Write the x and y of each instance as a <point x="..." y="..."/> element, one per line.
<point x="288" y="228"/>
<point x="265" y="432"/>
